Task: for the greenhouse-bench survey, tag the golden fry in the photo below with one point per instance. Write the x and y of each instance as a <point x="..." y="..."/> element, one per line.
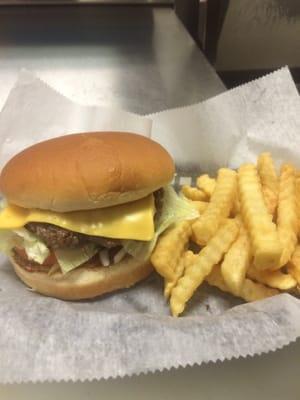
<point x="193" y="193"/>
<point x="203" y="263"/>
<point x="298" y="199"/>
<point x="236" y="207"/>
<point x="186" y="260"/>
<point x="199" y="205"/>
<point x="293" y="265"/>
<point x="250" y="291"/>
<point x="245" y="254"/>
<point x="266" y="247"/>
<point x="298" y="193"/>
<point x="287" y="216"/>
<point x="270" y="184"/>
<point x="236" y="262"/>
<point x="219" y="207"/>
<point x="169" y="248"/>
<point x="207" y="184"/>
<point x="274" y="279"/>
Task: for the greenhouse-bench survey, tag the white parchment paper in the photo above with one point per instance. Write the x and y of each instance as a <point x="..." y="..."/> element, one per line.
<point x="129" y="332"/>
<point x="35" y="112"/>
<point x="235" y="126"/>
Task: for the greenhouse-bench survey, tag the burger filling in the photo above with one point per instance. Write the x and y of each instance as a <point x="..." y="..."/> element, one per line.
<point x="42" y="246"/>
<point x="56" y="237"/>
<point x="21" y="259"/>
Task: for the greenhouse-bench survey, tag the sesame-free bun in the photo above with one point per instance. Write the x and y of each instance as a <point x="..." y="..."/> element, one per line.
<point x="86" y="171"/>
<point x="85" y="282"/>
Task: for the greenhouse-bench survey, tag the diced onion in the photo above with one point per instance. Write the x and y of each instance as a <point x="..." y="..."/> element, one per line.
<point x="119" y="255"/>
<point x="104" y="258"/>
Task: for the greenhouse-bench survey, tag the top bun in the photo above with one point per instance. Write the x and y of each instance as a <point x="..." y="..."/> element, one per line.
<point x="86" y="171"/>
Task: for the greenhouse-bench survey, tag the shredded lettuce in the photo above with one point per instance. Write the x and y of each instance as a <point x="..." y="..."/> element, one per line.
<point x="69" y="259"/>
<point x="35" y="249"/>
<point x="174" y="209"/>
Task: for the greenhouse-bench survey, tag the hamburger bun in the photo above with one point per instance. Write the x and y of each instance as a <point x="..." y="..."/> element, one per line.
<point x="87" y="281"/>
<point x="86" y="171"/>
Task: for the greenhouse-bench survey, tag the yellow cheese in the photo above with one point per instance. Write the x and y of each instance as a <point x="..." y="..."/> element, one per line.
<point x="126" y="221"/>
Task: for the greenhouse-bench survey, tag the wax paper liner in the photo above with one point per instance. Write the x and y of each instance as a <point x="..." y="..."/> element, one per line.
<point x="130" y="332"/>
<point x="144" y="337"/>
<point x="34" y="111"/>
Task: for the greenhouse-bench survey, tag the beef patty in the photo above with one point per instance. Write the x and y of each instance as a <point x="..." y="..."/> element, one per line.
<point x="56" y="237"/>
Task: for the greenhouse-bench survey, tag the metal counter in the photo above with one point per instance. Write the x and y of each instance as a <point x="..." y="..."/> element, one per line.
<point x="137" y="58"/>
<point x="140" y="59"/>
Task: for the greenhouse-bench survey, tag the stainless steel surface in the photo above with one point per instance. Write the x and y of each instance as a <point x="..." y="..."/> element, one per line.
<point x="187" y="11"/>
<point x="64" y="2"/>
<point x="137" y="58"/>
<point x="144" y="61"/>
<point x="268" y="35"/>
<point x="273" y="376"/>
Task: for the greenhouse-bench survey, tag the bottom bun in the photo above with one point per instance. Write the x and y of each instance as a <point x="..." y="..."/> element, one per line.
<point x="87" y="281"/>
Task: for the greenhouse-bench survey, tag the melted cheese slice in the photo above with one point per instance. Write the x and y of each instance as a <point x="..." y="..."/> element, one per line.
<point x="126" y="221"/>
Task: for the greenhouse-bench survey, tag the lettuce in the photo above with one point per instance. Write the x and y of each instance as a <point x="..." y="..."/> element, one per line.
<point x="7" y="241"/>
<point x="3" y="203"/>
<point x="69" y="259"/>
<point x="174" y="209"/>
<point x="35" y="249"/>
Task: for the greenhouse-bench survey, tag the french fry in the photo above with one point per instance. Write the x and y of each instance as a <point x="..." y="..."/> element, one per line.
<point x="265" y="244"/>
<point x="186" y="260"/>
<point x="170" y="283"/>
<point x="298" y="199"/>
<point x="250" y="291"/>
<point x="298" y="193"/>
<point x="207" y="184"/>
<point x="236" y="207"/>
<point x="199" y="205"/>
<point x="274" y="279"/>
<point x="219" y="207"/>
<point x="243" y="252"/>
<point x="269" y="180"/>
<point x="195" y="239"/>
<point x="195" y="273"/>
<point x="236" y="262"/>
<point x="287" y="216"/>
<point x="193" y="193"/>
<point x="293" y="265"/>
<point x="169" y="248"/>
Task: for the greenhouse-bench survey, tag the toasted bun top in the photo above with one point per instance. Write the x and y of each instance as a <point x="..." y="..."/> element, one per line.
<point x="86" y="171"/>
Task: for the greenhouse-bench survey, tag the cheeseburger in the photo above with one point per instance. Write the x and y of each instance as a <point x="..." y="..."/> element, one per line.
<point x="81" y="213"/>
